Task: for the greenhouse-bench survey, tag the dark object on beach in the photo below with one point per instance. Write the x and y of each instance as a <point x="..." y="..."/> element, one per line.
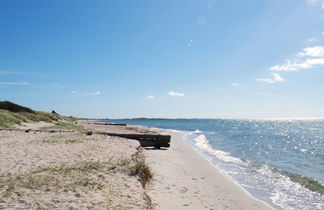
<point x="116" y="124"/>
<point x="54" y="112"/>
<point x="11" y="107"/>
<point x="27" y="131"/>
<point x="146" y="140"/>
<point x="89" y="133"/>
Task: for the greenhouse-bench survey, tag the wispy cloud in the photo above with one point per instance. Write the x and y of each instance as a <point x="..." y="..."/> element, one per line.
<point x="297" y="65"/>
<point x="312" y="39"/>
<point x="172" y="93"/>
<point x="15" y="83"/>
<point x="312" y="1"/>
<point x="97" y="93"/>
<point x="275" y="78"/>
<point x="235" y="84"/>
<point x="310" y="57"/>
<point x="316" y="3"/>
<point x="150" y="97"/>
<point x="16" y="73"/>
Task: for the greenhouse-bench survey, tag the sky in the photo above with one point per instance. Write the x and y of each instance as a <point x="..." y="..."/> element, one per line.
<point x="164" y="58"/>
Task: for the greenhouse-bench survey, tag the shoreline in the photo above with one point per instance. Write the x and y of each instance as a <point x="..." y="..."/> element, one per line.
<point x="182" y="177"/>
<point x="185" y="179"/>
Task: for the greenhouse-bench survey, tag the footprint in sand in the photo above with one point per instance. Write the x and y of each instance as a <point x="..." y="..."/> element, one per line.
<point x="184" y="190"/>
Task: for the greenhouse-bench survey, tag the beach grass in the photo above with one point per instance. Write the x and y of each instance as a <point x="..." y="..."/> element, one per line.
<point x="11" y="119"/>
<point x="82" y="174"/>
<point x="65" y="125"/>
<point x="13" y="114"/>
<point x="63" y="139"/>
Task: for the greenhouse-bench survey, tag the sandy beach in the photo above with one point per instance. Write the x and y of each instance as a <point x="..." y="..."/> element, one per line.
<point x="77" y="171"/>
<point x="41" y="170"/>
<point x="185" y="180"/>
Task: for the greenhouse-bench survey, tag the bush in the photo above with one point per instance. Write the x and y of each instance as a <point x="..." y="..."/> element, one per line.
<point x="11" y="107"/>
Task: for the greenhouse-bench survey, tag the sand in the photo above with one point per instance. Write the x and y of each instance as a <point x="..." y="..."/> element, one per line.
<point x="185" y="180"/>
<point x="67" y="171"/>
<point x="47" y="170"/>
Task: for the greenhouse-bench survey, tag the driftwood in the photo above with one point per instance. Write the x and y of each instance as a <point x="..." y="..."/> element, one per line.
<point x="146" y="140"/>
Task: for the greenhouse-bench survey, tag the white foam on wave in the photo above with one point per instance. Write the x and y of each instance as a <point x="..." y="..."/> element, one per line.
<point x="275" y="185"/>
<point x="201" y="142"/>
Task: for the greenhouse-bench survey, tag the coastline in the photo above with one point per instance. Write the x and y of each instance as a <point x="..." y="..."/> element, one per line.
<point x="185" y="180"/>
<point x="182" y="178"/>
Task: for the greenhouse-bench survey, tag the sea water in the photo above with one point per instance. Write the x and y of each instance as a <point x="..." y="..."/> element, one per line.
<point x="278" y="161"/>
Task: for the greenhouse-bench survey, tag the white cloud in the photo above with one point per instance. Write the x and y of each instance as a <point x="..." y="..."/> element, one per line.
<point x="316" y="51"/>
<point x="15" y="83"/>
<point x="322" y="33"/>
<point x="172" y="93"/>
<point x="310" y="57"/>
<point x="150" y="97"/>
<point x="276" y="78"/>
<point x="295" y="66"/>
<point x="235" y="84"/>
<point x="97" y="93"/>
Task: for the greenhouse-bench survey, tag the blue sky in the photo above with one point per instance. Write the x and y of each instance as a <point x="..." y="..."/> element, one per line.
<point x="170" y="58"/>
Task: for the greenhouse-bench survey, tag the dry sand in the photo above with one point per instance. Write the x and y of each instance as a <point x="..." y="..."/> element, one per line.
<point x="185" y="180"/>
<point x="67" y="171"/>
<point x="47" y="170"/>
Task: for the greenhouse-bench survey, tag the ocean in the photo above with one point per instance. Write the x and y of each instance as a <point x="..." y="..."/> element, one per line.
<point x="278" y="161"/>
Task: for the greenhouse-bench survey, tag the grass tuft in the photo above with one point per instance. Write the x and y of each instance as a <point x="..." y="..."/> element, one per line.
<point x="63" y="139"/>
<point x="86" y="174"/>
<point x="65" y="126"/>
<point x="138" y="167"/>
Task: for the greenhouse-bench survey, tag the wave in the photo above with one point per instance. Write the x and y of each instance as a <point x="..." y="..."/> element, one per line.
<point x="279" y="188"/>
<point x="202" y="143"/>
<point x="307" y="182"/>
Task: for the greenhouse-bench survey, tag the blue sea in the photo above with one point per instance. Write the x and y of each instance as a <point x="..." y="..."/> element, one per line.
<point x="278" y="161"/>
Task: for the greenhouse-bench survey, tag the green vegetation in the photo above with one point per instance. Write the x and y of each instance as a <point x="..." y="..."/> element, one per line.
<point x="83" y="174"/>
<point x="65" y="126"/>
<point x="65" y="139"/>
<point x="138" y="167"/>
<point x="7" y="105"/>
<point x="12" y="114"/>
